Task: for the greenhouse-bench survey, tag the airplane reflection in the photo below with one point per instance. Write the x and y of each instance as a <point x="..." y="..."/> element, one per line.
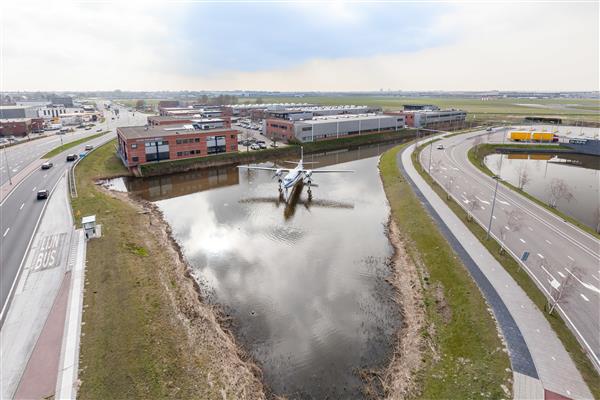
<point x="294" y="200"/>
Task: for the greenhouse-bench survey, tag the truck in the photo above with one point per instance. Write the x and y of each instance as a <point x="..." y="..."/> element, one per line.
<point x="520" y="136"/>
<point x="543" y="137"/>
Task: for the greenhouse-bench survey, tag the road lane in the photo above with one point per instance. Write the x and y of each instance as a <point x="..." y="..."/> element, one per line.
<point x="556" y="247"/>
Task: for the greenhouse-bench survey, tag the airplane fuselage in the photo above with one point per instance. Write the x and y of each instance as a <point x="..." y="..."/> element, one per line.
<point x="293" y="177"/>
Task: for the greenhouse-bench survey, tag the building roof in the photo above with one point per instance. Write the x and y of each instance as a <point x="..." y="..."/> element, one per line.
<point x="8" y="120"/>
<point x="14" y="107"/>
<point x="142" y="132"/>
<point x="345" y="117"/>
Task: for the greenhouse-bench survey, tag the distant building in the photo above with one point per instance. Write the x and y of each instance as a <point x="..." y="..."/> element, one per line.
<point x="420" y="107"/>
<point x="140" y="145"/>
<point x="65" y="101"/>
<point x="167" y="103"/>
<point x="432" y="119"/>
<point x="12" y="112"/>
<point x="157" y="120"/>
<point x="20" y="126"/>
<point x="331" y="127"/>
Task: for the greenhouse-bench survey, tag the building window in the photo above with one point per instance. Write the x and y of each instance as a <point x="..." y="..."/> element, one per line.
<point x="134" y="145"/>
<point x="197" y="140"/>
<point x="135" y="159"/>
<point x="233" y="147"/>
<point x="233" y="136"/>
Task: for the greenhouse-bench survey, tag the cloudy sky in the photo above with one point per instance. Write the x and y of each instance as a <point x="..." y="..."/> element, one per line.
<point x="299" y="45"/>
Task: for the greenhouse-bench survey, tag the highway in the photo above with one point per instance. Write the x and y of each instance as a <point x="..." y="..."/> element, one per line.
<point x="558" y="250"/>
<point x="21" y="211"/>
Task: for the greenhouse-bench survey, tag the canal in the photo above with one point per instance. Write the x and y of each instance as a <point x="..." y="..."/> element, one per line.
<point x="580" y="174"/>
<point x="304" y="284"/>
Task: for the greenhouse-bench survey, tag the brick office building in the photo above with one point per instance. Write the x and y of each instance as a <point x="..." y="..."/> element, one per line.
<point x="20" y="126"/>
<point x="139" y="145"/>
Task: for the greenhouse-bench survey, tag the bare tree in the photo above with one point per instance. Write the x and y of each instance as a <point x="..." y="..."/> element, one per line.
<point x="449" y="185"/>
<point x="559" y="190"/>
<point x="561" y="291"/>
<point x="514" y="223"/>
<point x="523" y="176"/>
<point x="472" y="205"/>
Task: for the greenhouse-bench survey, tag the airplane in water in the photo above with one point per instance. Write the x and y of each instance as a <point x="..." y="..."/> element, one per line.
<point x="294" y="176"/>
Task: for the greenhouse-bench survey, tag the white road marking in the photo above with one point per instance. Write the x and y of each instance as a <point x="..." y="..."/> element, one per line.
<point x="481" y="200"/>
<point x="561" y="274"/>
<point x="506" y="227"/>
<point x="530" y="228"/>
<point x="583" y="297"/>
<point x="22" y="205"/>
<point x="33" y="190"/>
<point x="493" y="216"/>
<point x="595" y="277"/>
<point x="6" y="232"/>
<point x="570" y="258"/>
<point x="522" y="240"/>
<point x="540" y="256"/>
<point x="586" y="285"/>
<point x="549" y="242"/>
<point x="482" y="207"/>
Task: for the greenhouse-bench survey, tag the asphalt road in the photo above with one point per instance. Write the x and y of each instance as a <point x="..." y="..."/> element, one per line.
<point x="21" y="211"/>
<point x="558" y="250"/>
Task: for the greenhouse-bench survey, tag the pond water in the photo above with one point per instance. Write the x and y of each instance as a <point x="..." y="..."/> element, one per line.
<point x="579" y="172"/>
<point x="304" y="283"/>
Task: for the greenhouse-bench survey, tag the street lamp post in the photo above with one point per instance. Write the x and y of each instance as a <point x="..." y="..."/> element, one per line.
<point x="430" y="148"/>
<point x="497" y="178"/>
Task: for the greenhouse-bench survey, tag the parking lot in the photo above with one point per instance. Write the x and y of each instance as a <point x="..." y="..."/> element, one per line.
<point x="253" y="136"/>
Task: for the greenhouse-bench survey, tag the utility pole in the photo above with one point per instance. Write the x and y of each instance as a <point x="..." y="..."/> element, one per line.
<point x="7" y="166"/>
<point x="497" y="178"/>
<point x="430" y="148"/>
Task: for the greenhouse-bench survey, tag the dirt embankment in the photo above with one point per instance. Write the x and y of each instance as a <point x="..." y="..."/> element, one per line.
<point x="399" y="378"/>
<point x="232" y="373"/>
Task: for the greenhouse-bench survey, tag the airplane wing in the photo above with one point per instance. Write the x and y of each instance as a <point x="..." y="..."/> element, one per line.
<point x="263" y="168"/>
<point x="323" y="171"/>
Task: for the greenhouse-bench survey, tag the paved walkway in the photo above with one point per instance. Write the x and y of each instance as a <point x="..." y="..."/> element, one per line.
<point x="32" y="339"/>
<point x="542" y="368"/>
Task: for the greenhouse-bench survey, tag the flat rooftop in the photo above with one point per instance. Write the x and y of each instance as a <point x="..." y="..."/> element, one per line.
<point x="6" y="120"/>
<point x="345" y="117"/>
<point x="142" y="132"/>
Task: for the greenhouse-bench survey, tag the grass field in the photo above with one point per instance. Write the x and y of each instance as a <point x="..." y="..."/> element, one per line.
<point x="477" y="156"/>
<point x="468" y="361"/>
<point x="571" y="344"/>
<point x="133" y="342"/>
<point x="584" y="109"/>
<point x="66" y="146"/>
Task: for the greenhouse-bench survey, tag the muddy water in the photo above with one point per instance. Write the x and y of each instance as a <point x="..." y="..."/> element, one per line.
<point x="305" y="284"/>
<point x="580" y="172"/>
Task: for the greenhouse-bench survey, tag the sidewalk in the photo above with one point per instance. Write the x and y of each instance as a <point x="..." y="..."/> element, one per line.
<point x="553" y="371"/>
<point x="32" y="337"/>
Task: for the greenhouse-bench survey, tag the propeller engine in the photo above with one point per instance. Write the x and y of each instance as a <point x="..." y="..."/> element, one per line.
<point x="278" y="174"/>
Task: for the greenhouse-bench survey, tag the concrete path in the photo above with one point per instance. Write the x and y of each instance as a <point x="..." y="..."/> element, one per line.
<point x="553" y="370"/>
<point x="31" y="339"/>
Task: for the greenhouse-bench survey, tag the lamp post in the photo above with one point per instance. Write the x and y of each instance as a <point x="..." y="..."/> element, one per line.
<point x="497" y="178"/>
<point x="430" y="148"/>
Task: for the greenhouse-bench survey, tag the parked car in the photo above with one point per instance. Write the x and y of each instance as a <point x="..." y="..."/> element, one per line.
<point x="490" y="129"/>
<point x="47" y="165"/>
<point x="71" y="157"/>
<point x="440" y="147"/>
<point x="262" y="145"/>
<point x="43" y="194"/>
<point x="99" y="130"/>
<point x="274" y="144"/>
<point x="88" y="147"/>
<point x="255" y="147"/>
<point x="88" y="128"/>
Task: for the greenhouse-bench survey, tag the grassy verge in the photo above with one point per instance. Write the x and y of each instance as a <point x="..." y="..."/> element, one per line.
<point x="468" y="361"/>
<point x="477" y="156"/>
<point x="571" y="344"/>
<point x="134" y="343"/>
<point x="167" y="167"/>
<point x="69" y="145"/>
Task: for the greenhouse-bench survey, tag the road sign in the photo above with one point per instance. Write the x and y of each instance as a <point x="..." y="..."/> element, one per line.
<point x="525" y="256"/>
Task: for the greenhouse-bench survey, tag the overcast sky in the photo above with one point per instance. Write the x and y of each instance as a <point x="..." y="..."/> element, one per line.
<point x="328" y="46"/>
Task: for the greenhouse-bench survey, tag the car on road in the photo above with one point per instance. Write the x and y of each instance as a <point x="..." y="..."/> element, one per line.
<point x="43" y="194"/>
<point x="71" y="157"/>
<point x="99" y="130"/>
<point x="440" y="147"/>
<point x="47" y="165"/>
<point x="255" y="147"/>
<point x="88" y="128"/>
<point x="490" y="129"/>
<point x="262" y="145"/>
<point x="88" y="147"/>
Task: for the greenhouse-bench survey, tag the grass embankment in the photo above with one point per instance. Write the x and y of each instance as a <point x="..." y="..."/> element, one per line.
<point x="145" y="333"/>
<point x="167" y="167"/>
<point x="477" y="156"/>
<point x="66" y="146"/>
<point x="571" y="344"/>
<point x="468" y="359"/>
